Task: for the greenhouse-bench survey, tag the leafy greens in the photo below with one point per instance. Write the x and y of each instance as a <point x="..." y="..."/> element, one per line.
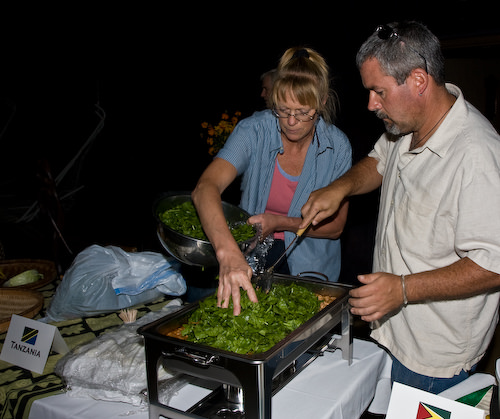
<point x="259" y="326"/>
<point x="184" y="219"/>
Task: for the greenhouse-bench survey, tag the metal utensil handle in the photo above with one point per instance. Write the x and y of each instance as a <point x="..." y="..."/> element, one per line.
<point x="299" y="233"/>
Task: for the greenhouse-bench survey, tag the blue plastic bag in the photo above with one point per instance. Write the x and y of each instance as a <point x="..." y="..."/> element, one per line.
<point x="106" y="279"/>
<point x="146" y="270"/>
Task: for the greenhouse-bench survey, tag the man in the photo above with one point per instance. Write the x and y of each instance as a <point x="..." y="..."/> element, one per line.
<point x="267" y="80"/>
<point x="433" y="296"/>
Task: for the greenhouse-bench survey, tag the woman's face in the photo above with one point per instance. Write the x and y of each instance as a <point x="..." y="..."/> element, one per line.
<point x="296" y="121"/>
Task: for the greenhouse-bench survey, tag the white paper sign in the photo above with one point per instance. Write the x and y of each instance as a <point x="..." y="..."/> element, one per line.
<point x="411" y="403"/>
<point x="28" y="343"/>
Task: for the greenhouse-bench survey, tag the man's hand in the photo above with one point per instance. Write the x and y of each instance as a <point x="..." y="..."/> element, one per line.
<point x="321" y="204"/>
<point x="362" y="178"/>
<point x="381" y="294"/>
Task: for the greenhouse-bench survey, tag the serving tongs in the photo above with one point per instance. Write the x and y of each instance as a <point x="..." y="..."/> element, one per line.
<point x="265" y="278"/>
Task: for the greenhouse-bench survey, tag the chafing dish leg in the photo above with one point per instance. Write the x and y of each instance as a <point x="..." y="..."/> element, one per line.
<point x="344" y="342"/>
<point x="153" y="354"/>
<point x="157" y="409"/>
<point x="256" y="382"/>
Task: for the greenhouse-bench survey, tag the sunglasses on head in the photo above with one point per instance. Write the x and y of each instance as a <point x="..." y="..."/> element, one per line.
<point x="385" y="32"/>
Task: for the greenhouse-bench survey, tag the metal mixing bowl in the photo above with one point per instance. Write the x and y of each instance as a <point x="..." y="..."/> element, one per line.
<point x="188" y="249"/>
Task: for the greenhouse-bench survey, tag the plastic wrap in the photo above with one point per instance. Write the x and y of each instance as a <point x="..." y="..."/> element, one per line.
<point x="113" y="366"/>
<point x="255" y="255"/>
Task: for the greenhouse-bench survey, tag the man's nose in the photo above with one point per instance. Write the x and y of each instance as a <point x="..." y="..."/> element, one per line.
<point x="373" y="102"/>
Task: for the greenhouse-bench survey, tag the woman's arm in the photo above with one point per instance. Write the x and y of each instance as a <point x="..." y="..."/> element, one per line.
<point x="234" y="271"/>
<point x="330" y="228"/>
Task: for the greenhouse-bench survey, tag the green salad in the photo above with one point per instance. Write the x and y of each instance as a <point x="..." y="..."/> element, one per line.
<point x="260" y="325"/>
<point x="184" y="219"/>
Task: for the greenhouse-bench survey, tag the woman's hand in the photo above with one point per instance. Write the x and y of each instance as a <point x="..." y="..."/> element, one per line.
<point x="234" y="272"/>
<point x="269" y="222"/>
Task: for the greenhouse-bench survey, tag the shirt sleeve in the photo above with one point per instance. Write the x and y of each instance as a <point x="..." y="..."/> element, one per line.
<point x="237" y="148"/>
<point x="477" y="231"/>
<point x="380" y="153"/>
<point x="344" y="157"/>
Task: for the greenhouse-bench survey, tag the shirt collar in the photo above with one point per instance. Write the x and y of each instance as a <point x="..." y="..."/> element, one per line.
<point x="441" y="140"/>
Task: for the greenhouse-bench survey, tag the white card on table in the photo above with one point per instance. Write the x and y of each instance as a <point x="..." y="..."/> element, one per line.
<point x="411" y="403"/>
<point x="29" y="342"/>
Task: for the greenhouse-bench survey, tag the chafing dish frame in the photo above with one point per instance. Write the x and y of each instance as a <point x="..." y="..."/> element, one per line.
<point x="253" y="373"/>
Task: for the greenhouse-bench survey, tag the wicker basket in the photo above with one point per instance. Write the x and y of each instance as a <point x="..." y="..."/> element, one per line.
<point x="14" y="267"/>
<point x="26" y="303"/>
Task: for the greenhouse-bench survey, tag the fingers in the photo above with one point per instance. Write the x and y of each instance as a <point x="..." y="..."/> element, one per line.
<point x="320" y="205"/>
<point x="236" y="301"/>
<point x="310" y="214"/>
<point x="365" y="308"/>
<point x="252" y="296"/>
<point x="229" y="289"/>
<point x="376" y="298"/>
<point x="254" y="219"/>
<point x="223" y="295"/>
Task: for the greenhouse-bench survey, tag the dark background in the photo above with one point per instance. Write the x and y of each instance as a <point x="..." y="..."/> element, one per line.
<point x="158" y="73"/>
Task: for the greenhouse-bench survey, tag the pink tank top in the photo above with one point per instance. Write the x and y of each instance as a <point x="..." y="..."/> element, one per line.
<point x="283" y="188"/>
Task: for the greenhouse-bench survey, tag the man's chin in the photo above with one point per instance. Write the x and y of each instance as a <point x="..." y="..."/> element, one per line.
<point x="392" y="129"/>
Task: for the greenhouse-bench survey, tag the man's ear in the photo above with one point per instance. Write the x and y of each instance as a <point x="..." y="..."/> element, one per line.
<point x="419" y="80"/>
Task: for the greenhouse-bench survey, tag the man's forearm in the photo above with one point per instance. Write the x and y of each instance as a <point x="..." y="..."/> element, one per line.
<point x="461" y="279"/>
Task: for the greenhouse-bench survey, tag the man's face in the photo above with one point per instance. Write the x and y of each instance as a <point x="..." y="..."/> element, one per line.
<point x="267" y="87"/>
<point x="391" y="102"/>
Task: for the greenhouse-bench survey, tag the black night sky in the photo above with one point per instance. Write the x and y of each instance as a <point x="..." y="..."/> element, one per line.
<point x="158" y="73"/>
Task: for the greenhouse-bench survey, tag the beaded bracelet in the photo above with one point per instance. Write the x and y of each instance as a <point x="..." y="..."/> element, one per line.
<point x="405" y="299"/>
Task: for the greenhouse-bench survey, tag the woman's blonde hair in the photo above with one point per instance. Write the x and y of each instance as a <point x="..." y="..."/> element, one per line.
<point x="304" y="75"/>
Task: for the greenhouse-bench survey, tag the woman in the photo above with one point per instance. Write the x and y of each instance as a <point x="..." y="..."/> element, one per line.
<point x="284" y="154"/>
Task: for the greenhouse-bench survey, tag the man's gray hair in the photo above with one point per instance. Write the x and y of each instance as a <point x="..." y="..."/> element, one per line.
<point x="408" y="46"/>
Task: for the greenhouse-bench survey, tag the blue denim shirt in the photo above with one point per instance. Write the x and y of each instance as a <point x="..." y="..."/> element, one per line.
<point x="252" y="149"/>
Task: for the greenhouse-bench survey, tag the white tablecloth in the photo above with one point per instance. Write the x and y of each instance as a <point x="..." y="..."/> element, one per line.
<point x="328" y="388"/>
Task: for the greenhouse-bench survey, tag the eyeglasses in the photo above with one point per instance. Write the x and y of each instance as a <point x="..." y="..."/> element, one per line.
<point x="386" y="32"/>
<point x="301" y="117"/>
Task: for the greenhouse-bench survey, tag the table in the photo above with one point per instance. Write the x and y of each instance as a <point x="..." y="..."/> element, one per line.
<point x="20" y="387"/>
<point x="328" y="388"/>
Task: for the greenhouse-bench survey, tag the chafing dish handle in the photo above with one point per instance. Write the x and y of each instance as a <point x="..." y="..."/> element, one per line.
<point x="201" y="360"/>
<point x="311" y="275"/>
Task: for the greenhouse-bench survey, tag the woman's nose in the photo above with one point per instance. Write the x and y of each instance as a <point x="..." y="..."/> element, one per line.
<point x="292" y="120"/>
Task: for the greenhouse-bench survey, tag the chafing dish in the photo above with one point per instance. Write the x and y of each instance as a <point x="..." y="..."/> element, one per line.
<point x="246" y="383"/>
